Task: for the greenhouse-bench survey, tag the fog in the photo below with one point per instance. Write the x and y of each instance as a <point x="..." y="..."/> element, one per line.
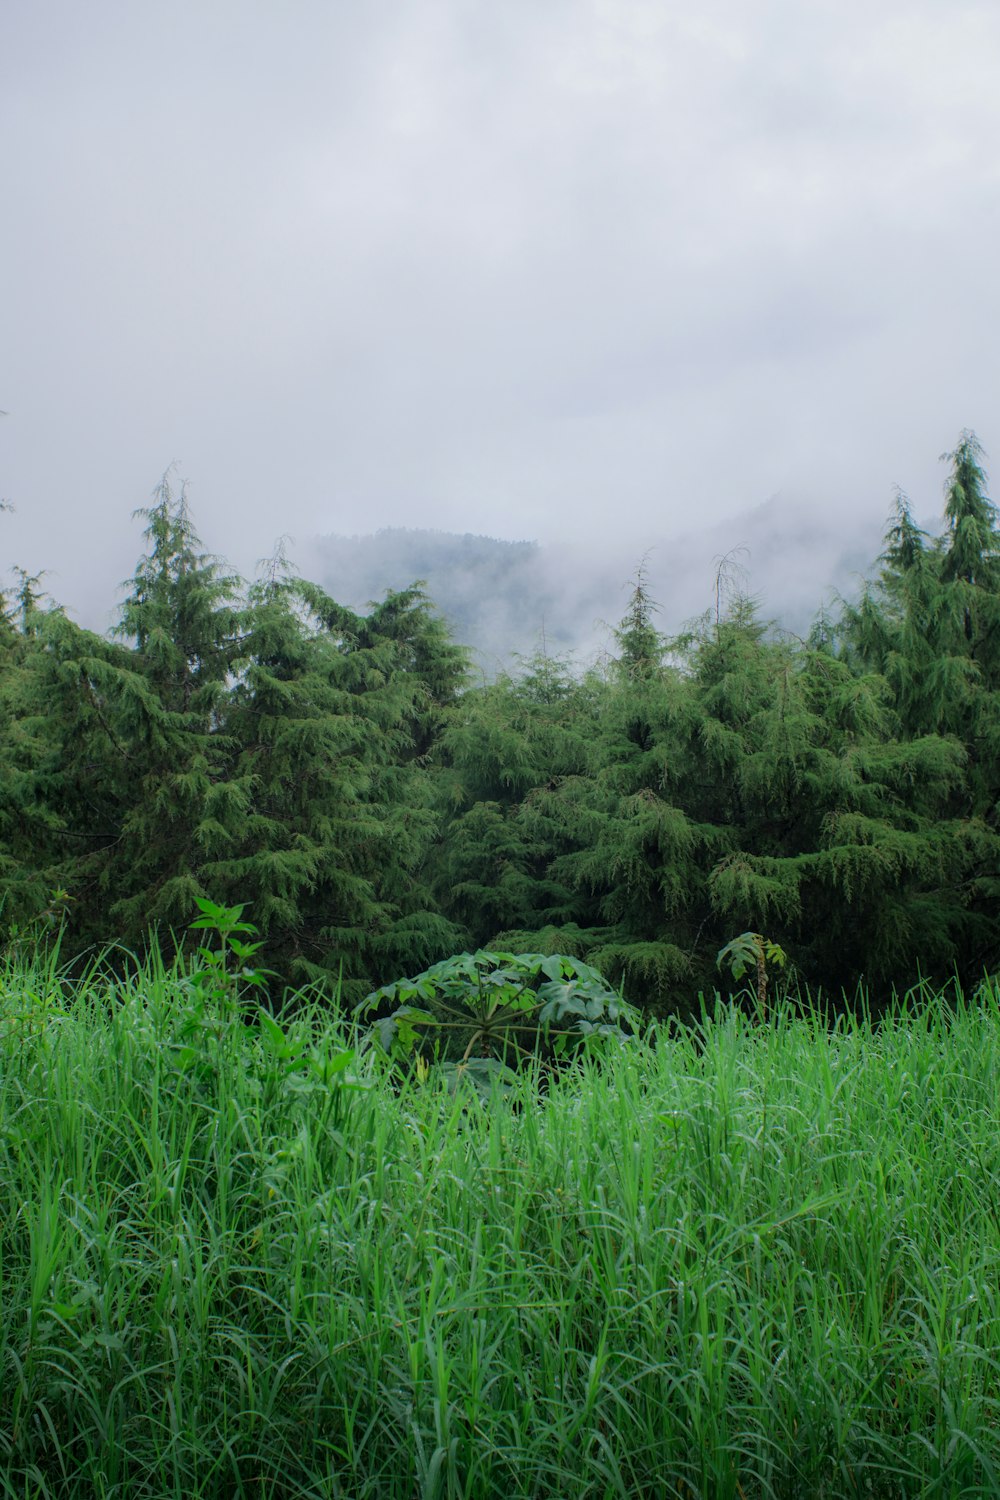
<point x="606" y="274"/>
<point x="509" y="600"/>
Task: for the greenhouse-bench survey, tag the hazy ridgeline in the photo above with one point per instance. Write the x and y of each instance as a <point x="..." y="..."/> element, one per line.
<point x="379" y="807"/>
<point x="734" y="1262"/>
<point x="503" y="599"/>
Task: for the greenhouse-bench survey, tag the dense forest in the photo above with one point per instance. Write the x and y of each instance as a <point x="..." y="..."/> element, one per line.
<point x="377" y="808"/>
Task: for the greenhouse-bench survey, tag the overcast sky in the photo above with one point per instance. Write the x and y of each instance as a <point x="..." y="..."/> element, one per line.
<point x="609" y="270"/>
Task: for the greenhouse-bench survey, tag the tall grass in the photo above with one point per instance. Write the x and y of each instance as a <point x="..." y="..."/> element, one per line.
<point x="737" y="1263"/>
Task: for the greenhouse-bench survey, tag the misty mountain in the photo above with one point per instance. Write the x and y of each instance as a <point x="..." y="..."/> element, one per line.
<point x="504" y="598"/>
<point x="499" y="597"/>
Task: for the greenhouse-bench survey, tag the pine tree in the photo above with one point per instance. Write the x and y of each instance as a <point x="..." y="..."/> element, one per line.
<point x="334" y="716"/>
<point x="834" y="827"/>
<point x="640" y="645"/>
<point x="183" y="805"/>
<point x="928" y="624"/>
<point x="62" y="782"/>
<point x="570" y="840"/>
<point x="335" y="771"/>
<point x="26" y="824"/>
<point x="117" y="753"/>
<point x="529" y="733"/>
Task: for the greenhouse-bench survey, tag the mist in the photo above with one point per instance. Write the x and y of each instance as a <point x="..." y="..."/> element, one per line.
<point x="608" y="277"/>
<point x="510" y="600"/>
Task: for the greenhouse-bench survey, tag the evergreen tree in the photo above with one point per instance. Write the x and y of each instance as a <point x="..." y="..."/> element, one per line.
<point x="640" y="645"/>
<point x="336" y="772"/>
<point x="117" y="757"/>
<point x="62" y="787"/>
<point x="833" y="821"/>
<point x="334" y="716"/>
<point x="931" y="625"/>
<point x="26" y="823"/>
<point x="182" y="804"/>
<point x="529" y="733"/>
<point x="569" y="840"/>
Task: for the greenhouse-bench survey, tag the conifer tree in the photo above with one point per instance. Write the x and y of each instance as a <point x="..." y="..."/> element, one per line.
<point x="63" y="778"/>
<point x="570" y="840"/>
<point x="335" y="771"/>
<point x="333" y="716"/>
<point x="118" y="751"/>
<point x="640" y="644"/>
<point x="930" y="624"/>
<point x="182" y="620"/>
<point x="526" y="733"/>
<point x="25" y="823"/>
<point x="833" y="823"/>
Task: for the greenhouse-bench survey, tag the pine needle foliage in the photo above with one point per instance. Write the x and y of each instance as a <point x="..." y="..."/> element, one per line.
<point x="838" y="793"/>
<point x="262" y="743"/>
<point x="253" y="743"/>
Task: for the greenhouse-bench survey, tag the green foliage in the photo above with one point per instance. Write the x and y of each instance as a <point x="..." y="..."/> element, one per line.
<point x="641" y="647"/>
<point x="732" y="777"/>
<point x="275" y="1270"/>
<point x="484" y="1013"/>
<point x="751" y="952"/>
<point x="217" y="981"/>
<point x="266" y="744"/>
<point x="262" y="744"/>
<point x="181" y="798"/>
<point x="930" y="625"/>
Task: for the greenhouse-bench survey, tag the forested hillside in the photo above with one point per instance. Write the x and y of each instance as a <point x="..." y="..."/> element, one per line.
<point x="491" y="592"/>
<point x="503" y="599"/>
<point x="376" y="808"/>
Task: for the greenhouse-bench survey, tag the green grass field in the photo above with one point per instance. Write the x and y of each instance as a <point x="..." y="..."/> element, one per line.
<point x="736" y="1263"/>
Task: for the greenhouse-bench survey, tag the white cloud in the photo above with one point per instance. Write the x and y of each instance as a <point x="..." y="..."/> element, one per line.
<point x="533" y="270"/>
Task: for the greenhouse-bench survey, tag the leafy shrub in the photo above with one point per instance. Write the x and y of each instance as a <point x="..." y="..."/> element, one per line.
<point x="481" y="1014"/>
<point x="751" y="952"/>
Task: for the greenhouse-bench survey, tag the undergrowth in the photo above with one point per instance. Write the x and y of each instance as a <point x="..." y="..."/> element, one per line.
<point x="238" y="1259"/>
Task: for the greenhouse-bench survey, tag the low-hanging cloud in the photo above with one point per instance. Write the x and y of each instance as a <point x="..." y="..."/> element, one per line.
<point x="597" y="273"/>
